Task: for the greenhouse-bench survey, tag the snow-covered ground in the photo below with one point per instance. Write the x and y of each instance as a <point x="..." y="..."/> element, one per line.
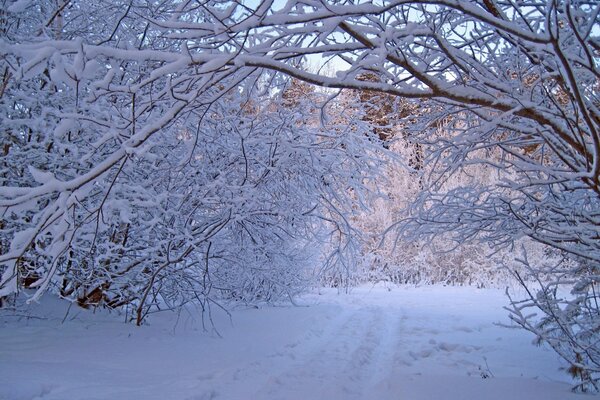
<point x="404" y="343"/>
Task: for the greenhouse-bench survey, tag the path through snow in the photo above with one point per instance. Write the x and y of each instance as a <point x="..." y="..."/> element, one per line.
<point x="404" y="343"/>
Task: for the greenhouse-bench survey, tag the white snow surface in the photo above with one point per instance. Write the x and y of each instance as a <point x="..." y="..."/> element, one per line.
<point x="405" y="343"/>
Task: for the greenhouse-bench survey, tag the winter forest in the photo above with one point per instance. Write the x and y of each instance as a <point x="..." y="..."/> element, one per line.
<point x="175" y="157"/>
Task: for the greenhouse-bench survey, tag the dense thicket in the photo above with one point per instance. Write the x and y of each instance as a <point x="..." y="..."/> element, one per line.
<point x="128" y="183"/>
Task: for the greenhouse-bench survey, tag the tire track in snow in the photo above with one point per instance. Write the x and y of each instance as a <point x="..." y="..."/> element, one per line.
<point x="256" y="375"/>
<point x="344" y="365"/>
<point x="387" y="350"/>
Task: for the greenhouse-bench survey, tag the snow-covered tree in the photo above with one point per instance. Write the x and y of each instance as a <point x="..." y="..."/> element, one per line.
<point x="134" y="179"/>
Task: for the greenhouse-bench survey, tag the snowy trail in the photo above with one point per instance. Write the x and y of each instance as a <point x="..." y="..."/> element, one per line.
<point x="405" y="344"/>
<point x="342" y="366"/>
